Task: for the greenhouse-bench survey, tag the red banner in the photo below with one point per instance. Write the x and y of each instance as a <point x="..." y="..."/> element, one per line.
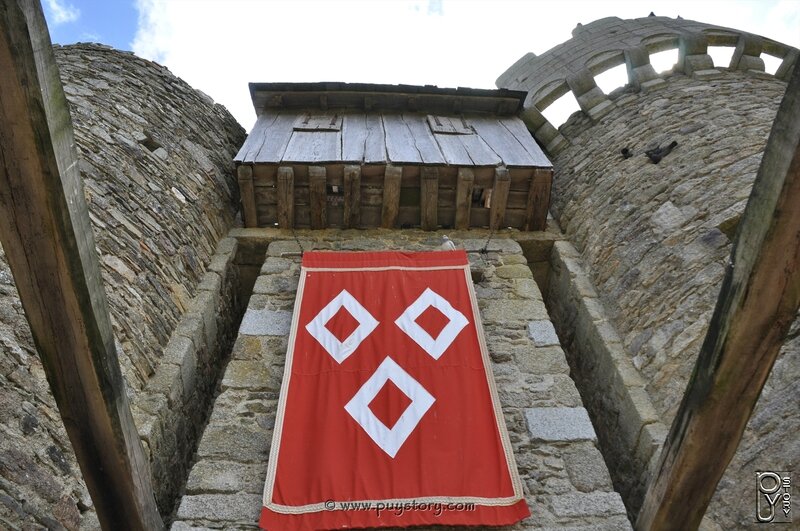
<point x="388" y="414"/>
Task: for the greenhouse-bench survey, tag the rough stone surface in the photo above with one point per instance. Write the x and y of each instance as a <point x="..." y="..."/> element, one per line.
<point x="235" y="445"/>
<point x="265" y="322"/>
<point x="155" y="157"/>
<point x="559" y="424"/>
<point x="655" y="239"/>
<point x="542" y="333"/>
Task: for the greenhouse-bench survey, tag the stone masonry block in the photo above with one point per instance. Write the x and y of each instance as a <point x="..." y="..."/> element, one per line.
<point x="513" y="271"/>
<point x="243" y="444"/>
<point x="697" y="63"/>
<point x="532" y="117"/>
<point x="750" y="62"/>
<point x="636" y="410"/>
<point x="544" y="360"/>
<point x="191" y="326"/>
<point x="167" y="381"/>
<point x="226" y="476"/>
<point x="559" y="424"/>
<point x="526" y="288"/>
<point x="692" y="44"/>
<point x="286" y="248"/>
<point x="504" y="311"/>
<point x="274" y="285"/>
<point x="581" y="82"/>
<point x="228" y="508"/>
<point x="651" y="439"/>
<point x="266" y="323"/>
<point x="600" y="109"/>
<point x="635" y="57"/>
<point x="189" y="373"/>
<point x="177" y="349"/>
<point x="748" y="45"/>
<point x="204" y="306"/>
<point x="542" y="333"/>
<point x="227" y="246"/>
<point x="252" y="375"/>
<point x="586" y="468"/>
<point x="211" y="282"/>
<point x="274" y="265"/>
<point x="587" y="504"/>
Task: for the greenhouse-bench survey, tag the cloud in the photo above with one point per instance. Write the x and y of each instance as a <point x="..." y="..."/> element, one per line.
<point x="62" y="12"/>
<point x="220" y="46"/>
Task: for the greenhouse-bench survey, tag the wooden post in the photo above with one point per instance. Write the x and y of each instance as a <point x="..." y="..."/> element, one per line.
<point x="757" y="303"/>
<point x="285" y="197"/>
<point x="351" y="216"/>
<point x="47" y="236"/>
<point x="317" y="197"/>
<point x="497" y="212"/>
<point x="429" y="198"/>
<point x="248" y="195"/>
<point x="391" y="196"/>
<point x="538" y="199"/>
<point x="466" y="180"/>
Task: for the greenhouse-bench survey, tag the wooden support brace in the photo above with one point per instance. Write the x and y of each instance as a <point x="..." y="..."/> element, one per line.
<point x="318" y="197"/>
<point x="391" y="196"/>
<point x="429" y="198"/>
<point x="758" y="301"/>
<point x="466" y="180"/>
<point x="351" y="218"/>
<point x="538" y="199"/>
<point x="248" y="195"/>
<point x="285" y="197"/>
<point x="497" y="212"/>
<point x="48" y="239"/>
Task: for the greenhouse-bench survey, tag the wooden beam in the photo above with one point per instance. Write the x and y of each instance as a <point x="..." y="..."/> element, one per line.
<point x="502" y="183"/>
<point x="285" y="197"/>
<point x="48" y="239"/>
<point x="248" y="195"/>
<point x="466" y="180"/>
<point x="429" y="198"/>
<point x="391" y="196"/>
<point x="351" y="217"/>
<point x="317" y="197"/>
<point x="538" y="199"/>
<point x="758" y="301"/>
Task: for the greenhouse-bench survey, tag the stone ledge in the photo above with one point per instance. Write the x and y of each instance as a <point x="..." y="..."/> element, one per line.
<point x="559" y="424"/>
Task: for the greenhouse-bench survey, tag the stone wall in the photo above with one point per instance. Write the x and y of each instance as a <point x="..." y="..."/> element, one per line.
<point x="655" y="238"/>
<point x="565" y="479"/>
<point x="155" y="156"/>
<point x="157" y="166"/>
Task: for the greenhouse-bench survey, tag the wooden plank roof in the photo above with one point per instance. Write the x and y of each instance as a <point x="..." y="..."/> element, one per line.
<point x="318" y="123"/>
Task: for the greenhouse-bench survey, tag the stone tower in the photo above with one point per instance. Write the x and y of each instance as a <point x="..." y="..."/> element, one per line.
<point x="602" y="313"/>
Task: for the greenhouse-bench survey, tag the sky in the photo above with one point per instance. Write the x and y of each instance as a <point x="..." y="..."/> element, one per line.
<point x="218" y="46"/>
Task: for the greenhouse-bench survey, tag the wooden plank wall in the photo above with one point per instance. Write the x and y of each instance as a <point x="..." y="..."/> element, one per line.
<point x="390" y="196"/>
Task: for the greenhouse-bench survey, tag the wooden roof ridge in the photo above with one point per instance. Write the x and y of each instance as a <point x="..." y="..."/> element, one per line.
<point x="371" y="96"/>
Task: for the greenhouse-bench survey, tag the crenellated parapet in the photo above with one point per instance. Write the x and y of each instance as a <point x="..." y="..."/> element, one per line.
<point x="609" y="42"/>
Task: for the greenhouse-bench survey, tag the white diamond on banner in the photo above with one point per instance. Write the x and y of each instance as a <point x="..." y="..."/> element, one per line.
<point x="408" y="323"/>
<point x="340" y="350"/>
<point x="390" y="440"/>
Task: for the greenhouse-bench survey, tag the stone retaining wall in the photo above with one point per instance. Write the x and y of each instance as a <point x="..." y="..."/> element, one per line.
<point x="155" y="156"/>
<point x="156" y="160"/>
<point x="171" y="411"/>
<point x="628" y="426"/>
<point x="565" y="479"/>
